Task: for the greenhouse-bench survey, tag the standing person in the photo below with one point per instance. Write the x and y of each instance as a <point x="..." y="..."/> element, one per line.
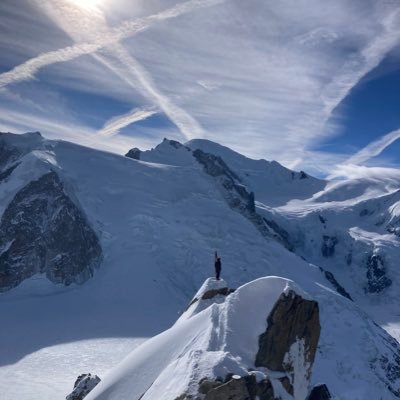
<point x="217" y="266"/>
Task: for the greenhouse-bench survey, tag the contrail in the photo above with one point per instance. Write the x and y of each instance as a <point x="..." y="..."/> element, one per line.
<point x="136" y="76"/>
<point x="113" y="125"/>
<point x="374" y="148"/>
<point x="117" y="59"/>
<point x="28" y="69"/>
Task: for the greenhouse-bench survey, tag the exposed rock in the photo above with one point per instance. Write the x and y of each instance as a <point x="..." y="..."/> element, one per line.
<point x="237" y="388"/>
<point x="239" y="197"/>
<point x="7" y="172"/>
<point x="134" y="153"/>
<point x="215" y="292"/>
<point x="376" y="274"/>
<point x="328" y="245"/>
<point x="214" y="165"/>
<point x="286" y="385"/>
<point x="209" y="294"/>
<point x="175" y="143"/>
<point x="83" y="385"/>
<point x="8" y="154"/>
<point x="364" y="212"/>
<point x="303" y="175"/>
<point x="339" y="288"/>
<point x="205" y="385"/>
<point x="43" y="231"/>
<point x="322" y="219"/>
<point x="283" y="234"/>
<point x="293" y="320"/>
<point x="319" y="392"/>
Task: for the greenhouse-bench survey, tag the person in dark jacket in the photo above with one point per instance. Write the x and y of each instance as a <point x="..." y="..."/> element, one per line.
<point x="217" y="266"/>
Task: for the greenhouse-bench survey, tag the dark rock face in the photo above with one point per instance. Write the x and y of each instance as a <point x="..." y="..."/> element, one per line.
<point x="376" y="274"/>
<point x="339" y="288"/>
<point x="7" y="172"/>
<point x="134" y="153"/>
<point x="43" y="231"/>
<point x="8" y="154"/>
<point x="237" y="388"/>
<point x="319" y="392"/>
<point x="365" y="212"/>
<point x="303" y="175"/>
<point x="283" y="234"/>
<point x="239" y="197"/>
<point x="215" y="292"/>
<point x="210" y="294"/>
<point x="214" y="165"/>
<point x="292" y="319"/>
<point x="328" y="245"/>
<point x="83" y="385"/>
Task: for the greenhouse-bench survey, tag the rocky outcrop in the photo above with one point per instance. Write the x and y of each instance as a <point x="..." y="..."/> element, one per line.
<point x="239" y="197"/>
<point x="4" y="175"/>
<point x="210" y="294"/>
<point x="83" y="386"/>
<point x="303" y="175"/>
<point x="319" y="392"/>
<point x="377" y="280"/>
<point x="292" y="335"/>
<point x="328" y="245"/>
<point x="237" y="388"/>
<point x="339" y="288"/>
<point x="8" y="154"/>
<point x="43" y="231"/>
<point x="134" y="153"/>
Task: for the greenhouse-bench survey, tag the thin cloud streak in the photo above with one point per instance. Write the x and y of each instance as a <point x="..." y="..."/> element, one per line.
<point x="117" y="59"/>
<point x="374" y="148"/>
<point x="135" y="75"/>
<point x="262" y="77"/>
<point x="115" y="124"/>
<point x="28" y="69"/>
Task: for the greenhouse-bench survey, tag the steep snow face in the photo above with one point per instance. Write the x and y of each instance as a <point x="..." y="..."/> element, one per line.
<point x="158" y="227"/>
<point x="355" y="358"/>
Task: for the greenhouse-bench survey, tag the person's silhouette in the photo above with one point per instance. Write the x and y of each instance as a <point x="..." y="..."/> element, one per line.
<point x="217" y="266"/>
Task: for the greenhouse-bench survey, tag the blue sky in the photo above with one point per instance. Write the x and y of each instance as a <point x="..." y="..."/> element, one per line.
<point x="311" y="84"/>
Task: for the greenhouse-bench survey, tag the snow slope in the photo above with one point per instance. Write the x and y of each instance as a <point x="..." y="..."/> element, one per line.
<point x="159" y="221"/>
<point x="348" y="227"/>
<point x="158" y="226"/>
<point x="223" y="338"/>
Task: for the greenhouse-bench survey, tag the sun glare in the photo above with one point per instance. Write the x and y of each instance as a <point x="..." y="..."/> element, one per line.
<point x="87" y="4"/>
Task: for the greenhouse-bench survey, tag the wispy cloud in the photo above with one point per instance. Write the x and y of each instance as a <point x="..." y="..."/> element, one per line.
<point x="117" y="59"/>
<point x="263" y="77"/>
<point x="115" y="124"/>
<point x="28" y="69"/>
<point x="374" y="148"/>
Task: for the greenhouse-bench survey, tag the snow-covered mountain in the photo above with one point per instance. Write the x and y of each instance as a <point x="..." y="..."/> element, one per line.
<point x="121" y="244"/>
<point x="268" y="340"/>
